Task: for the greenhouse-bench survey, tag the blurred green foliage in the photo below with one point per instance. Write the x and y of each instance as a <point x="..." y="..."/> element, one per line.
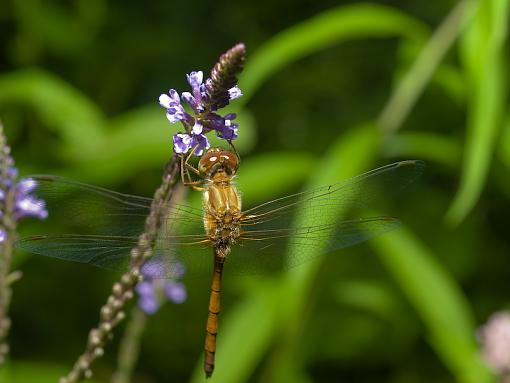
<point x="331" y="90"/>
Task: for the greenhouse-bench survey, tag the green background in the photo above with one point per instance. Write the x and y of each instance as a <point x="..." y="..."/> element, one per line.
<point x="331" y="89"/>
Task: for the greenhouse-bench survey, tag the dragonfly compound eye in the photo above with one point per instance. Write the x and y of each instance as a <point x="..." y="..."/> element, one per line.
<point x="218" y="160"/>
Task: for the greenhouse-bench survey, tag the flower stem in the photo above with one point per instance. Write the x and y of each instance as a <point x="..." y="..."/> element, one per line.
<point x="8" y="226"/>
<point x="113" y="311"/>
<point x="413" y="83"/>
<point x="129" y="348"/>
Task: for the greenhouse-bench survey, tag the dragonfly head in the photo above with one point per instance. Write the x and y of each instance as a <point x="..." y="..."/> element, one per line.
<point x="217" y="160"/>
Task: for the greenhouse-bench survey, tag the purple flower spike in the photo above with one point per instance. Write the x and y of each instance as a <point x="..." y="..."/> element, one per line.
<point x="192" y="101"/>
<point x="195" y="99"/>
<point x="149" y="304"/>
<point x="176" y="291"/>
<point x="26" y="185"/>
<point x="174" y="110"/>
<point x="144" y="288"/>
<point x="152" y="290"/>
<point x="30" y="206"/>
<point x="207" y="95"/>
<point x="200" y="143"/>
<point x="170" y="99"/>
<point x="3" y="235"/>
<point x="26" y="205"/>
<point x="182" y="142"/>
<point x="234" y="93"/>
<point x="195" y="79"/>
<point x="228" y="130"/>
<point x="197" y="129"/>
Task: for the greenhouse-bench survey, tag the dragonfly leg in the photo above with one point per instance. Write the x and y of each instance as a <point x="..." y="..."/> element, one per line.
<point x="235" y="150"/>
<point x="186" y="167"/>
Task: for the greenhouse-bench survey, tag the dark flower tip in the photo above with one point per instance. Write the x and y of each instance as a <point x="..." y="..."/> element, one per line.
<point x="223" y="76"/>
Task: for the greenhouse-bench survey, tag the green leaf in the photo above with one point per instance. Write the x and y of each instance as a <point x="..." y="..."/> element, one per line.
<point x="349" y="155"/>
<point x="438" y="300"/>
<point x="483" y="53"/>
<point x="270" y="175"/>
<point x="426" y="146"/>
<point x="28" y="372"/>
<point x="62" y="108"/>
<point x="372" y="296"/>
<point x="323" y="30"/>
<point x="504" y="146"/>
<point x="417" y="77"/>
<point x="244" y="335"/>
<point x="135" y="140"/>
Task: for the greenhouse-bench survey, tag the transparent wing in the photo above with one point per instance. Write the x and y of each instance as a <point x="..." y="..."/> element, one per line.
<point x="109" y="252"/>
<point x="324" y="202"/>
<point x="112" y="222"/>
<point x="283" y="249"/>
<point x="269" y="239"/>
<point x="113" y="252"/>
<point x="291" y="230"/>
<point x="101" y="211"/>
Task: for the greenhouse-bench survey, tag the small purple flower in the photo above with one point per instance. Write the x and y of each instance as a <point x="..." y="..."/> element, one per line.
<point x="25" y="204"/>
<point x="147" y="297"/>
<point x="152" y="290"/>
<point x="200" y="143"/>
<point x="176" y="291"/>
<point x="229" y="130"/>
<point x="198" y="94"/>
<point x="174" y="110"/>
<point x="234" y="93"/>
<point x="182" y="142"/>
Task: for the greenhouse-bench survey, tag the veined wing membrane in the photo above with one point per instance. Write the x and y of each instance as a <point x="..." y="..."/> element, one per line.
<point x="103" y="211"/>
<point x="323" y="203"/>
<point x="267" y="250"/>
<point x="113" y="252"/>
<point x="268" y="231"/>
<point x="112" y="220"/>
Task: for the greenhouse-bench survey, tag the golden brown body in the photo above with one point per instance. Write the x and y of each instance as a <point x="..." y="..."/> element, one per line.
<point x="222" y="212"/>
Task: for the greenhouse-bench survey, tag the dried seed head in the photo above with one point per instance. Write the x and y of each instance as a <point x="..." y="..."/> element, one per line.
<point x="106" y="327"/>
<point x="117" y="289"/>
<point x="117" y="304"/>
<point x="95" y="338"/>
<point x="126" y="279"/>
<point x="135" y="274"/>
<point x="84" y="363"/>
<point x="106" y="313"/>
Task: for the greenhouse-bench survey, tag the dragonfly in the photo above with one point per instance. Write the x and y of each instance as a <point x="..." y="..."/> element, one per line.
<point x="265" y="238"/>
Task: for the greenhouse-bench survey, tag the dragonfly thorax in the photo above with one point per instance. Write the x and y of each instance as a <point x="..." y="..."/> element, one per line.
<point x="222" y="212"/>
